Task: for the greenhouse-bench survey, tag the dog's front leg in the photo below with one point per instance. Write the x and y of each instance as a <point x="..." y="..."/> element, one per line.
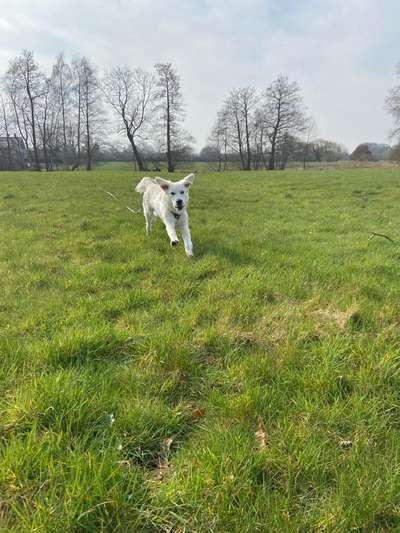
<point x="187" y="239"/>
<point x="170" y="226"/>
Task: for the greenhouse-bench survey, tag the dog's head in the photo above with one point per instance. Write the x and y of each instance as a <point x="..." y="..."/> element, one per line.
<point x="178" y="191"/>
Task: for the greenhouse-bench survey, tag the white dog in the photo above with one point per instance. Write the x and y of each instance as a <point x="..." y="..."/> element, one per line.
<point x="168" y="200"/>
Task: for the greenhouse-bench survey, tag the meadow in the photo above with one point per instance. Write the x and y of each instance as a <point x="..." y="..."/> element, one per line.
<point x="255" y="388"/>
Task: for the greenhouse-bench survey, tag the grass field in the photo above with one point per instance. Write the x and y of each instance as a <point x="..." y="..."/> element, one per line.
<point x="185" y="166"/>
<point x="254" y="388"/>
<point x="202" y="166"/>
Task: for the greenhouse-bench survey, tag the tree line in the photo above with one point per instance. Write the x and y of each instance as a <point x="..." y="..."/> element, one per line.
<point x="62" y="120"/>
<point x="262" y="129"/>
<point x="269" y="128"/>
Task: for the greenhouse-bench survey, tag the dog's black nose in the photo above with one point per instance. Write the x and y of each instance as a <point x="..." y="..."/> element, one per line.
<point x="179" y="202"/>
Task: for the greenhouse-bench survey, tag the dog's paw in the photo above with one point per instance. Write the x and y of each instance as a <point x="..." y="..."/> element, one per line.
<point x="190" y="253"/>
<point x="174" y="243"/>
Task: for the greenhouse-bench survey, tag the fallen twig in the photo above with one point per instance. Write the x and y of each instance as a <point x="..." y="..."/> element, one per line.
<point x="117" y="199"/>
<point x="132" y="211"/>
<point x="109" y="193"/>
<point x="373" y="234"/>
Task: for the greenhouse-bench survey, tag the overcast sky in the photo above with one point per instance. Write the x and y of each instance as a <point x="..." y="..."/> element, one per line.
<point x="343" y="53"/>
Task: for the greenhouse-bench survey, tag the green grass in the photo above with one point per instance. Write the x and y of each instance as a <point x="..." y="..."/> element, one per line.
<point x="185" y="166"/>
<point x="112" y="344"/>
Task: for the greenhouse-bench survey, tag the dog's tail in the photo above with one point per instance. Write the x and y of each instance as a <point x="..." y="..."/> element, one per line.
<point x="143" y="184"/>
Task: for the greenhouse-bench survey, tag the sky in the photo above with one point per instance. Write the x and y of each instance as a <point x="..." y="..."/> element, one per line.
<point x="342" y="53"/>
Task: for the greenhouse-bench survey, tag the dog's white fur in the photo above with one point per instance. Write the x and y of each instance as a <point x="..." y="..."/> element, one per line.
<point x="168" y="200"/>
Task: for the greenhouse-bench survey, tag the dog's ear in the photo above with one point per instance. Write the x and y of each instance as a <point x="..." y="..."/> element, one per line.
<point x="188" y="180"/>
<point x="164" y="184"/>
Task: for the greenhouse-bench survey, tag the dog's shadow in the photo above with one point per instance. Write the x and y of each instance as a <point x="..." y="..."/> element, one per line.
<point x="214" y="247"/>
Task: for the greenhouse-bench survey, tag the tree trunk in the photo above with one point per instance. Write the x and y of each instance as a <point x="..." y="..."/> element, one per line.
<point x="284" y="154"/>
<point x="88" y="145"/>
<point x="136" y="154"/>
<point x="271" y="163"/>
<point x="20" y="154"/>
<point x="46" y="158"/>
<point x="9" y="157"/>
<point x="225" y="155"/>
<point x="248" y="158"/>
<point x="138" y="157"/>
<point x="33" y="123"/>
<point x="272" y="157"/>
<point x="169" y="154"/>
<point x="43" y="133"/>
<point x="262" y="155"/>
<point x="240" y="143"/>
<point x="78" y="133"/>
<point x="306" y="154"/>
<point x="64" y="127"/>
<point x="5" y="120"/>
<point x="21" y="133"/>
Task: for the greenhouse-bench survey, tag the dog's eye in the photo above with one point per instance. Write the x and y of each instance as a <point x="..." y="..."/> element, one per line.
<point x="182" y="192"/>
<point x="173" y="194"/>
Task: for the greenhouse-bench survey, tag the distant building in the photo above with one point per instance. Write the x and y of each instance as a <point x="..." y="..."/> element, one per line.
<point x="13" y="153"/>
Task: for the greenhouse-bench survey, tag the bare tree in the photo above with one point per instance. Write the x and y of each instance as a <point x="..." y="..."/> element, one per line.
<point x="77" y="103"/>
<point x="310" y="134"/>
<point x="5" y="115"/>
<point x="252" y="126"/>
<point x="170" y="108"/>
<point x="26" y="81"/>
<point x="48" y="124"/>
<point x="392" y="105"/>
<point x="233" y="112"/>
<point x="237" y="121"/>
<point x="42" y="111"/>
<point x="19" y="106"/>
<point x="247" y="102"/>
<point x="259" y="140"/>
<point x="130" y="94"/>
<point x="61" y="85"/>
<point x="218" y="138"/>
<point x="283" y="114"/>
<point x="91" y="110"/>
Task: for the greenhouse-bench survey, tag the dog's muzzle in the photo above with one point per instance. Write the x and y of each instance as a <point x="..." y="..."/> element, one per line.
<point x="179" y="205"/>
